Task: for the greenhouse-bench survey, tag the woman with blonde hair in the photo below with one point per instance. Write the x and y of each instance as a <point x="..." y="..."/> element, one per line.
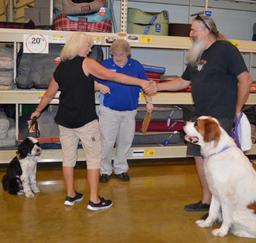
<point x="76" y="116"/>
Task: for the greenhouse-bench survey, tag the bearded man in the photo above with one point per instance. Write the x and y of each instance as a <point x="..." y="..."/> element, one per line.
<point x="220" y="86"/>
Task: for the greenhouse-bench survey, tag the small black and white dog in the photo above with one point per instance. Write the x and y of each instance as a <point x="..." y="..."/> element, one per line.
<point x="20" y="177"/>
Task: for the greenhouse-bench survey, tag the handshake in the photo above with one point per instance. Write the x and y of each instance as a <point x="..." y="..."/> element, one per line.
<point x="149" y="87"/>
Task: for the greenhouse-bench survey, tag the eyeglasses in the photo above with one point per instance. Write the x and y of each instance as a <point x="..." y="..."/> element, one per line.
<point x="198" y="17"/>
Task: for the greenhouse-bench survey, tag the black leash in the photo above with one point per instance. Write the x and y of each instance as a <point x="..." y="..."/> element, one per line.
<point x="33" y="128"/>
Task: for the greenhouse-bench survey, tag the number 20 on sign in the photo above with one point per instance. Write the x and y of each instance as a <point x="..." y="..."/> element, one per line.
<point x="35" y="43"/>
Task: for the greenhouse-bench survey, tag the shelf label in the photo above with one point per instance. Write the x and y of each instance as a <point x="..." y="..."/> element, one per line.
<point x="142" y="97"/>
<point x="145" y="39"/>
<point x="236" y="43"/>
<point x="144" y="152"/>
<point x="149" y="152"/>
<point x="58" y="39"/>
<point x="35" y="43"/>
<point x="98" y="40"/>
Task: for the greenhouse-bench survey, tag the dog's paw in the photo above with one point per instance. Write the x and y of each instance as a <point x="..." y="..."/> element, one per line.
<point x="20" y="193"/>
<point x="203" y="223"/>
<point x="35" y="189"/>
<point x="29" y="194"/>
<point x="219" y="232"/>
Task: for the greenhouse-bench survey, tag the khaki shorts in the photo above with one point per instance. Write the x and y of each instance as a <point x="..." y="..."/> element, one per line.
<point x="195" y="150"/>
<point x="89" y="134"/>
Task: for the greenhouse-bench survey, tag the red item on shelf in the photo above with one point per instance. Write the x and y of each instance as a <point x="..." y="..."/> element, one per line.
<point x="253" y="88"/>
<point x="162" y="126"/>
<point x="153" y="75"/>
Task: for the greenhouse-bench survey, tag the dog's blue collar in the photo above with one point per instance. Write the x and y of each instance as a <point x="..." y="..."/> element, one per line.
<point x="219" y="152"/>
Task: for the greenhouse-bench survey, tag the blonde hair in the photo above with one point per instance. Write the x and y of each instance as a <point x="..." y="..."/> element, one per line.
<point x="122" y="45"/>
<point x="74" y="44"/>
<point x="208" y="23"/>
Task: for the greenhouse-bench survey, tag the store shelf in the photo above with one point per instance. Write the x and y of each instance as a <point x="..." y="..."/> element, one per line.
<point x="161" y="152"/>
<point x="33" y="97"/>
<point x="19" y="97"/>
<point x="147" y="41"/>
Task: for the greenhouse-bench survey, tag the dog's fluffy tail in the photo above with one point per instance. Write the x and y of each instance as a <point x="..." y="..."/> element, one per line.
<point x="13" y="185"/>
<point x="252" y="206"/>
<point x="5" y="182"/>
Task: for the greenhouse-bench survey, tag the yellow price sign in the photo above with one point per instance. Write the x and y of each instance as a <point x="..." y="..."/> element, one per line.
<point x="39" y="94"/>
<point x="142" y="97"/>
<point x="236" y="43"/>
<point x="144" y="39"/>
<point x="57" y="38"/>
<point x="98" y="40"/>
<point x="149" y="152"/>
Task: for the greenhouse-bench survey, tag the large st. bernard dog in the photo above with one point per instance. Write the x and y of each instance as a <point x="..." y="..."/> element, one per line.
<point x="231" y="179"/>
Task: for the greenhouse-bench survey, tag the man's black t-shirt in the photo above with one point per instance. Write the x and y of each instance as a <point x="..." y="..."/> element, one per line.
<point x="77" y="97"/>
<point x="214" y="80"/>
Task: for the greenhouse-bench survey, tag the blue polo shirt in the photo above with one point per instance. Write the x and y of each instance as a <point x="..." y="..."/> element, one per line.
<point x="122" y="97"/>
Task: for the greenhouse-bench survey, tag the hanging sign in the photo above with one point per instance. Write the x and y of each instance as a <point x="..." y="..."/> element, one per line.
<point x="35" y="43"/>
<point x="208" y="13"/>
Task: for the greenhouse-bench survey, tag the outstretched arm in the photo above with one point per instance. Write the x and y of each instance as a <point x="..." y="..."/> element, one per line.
<point x="90" y="66"/>
<point x="244" y="83"/>
<point x="172" y="85"/>
<point x="46" y="98"/>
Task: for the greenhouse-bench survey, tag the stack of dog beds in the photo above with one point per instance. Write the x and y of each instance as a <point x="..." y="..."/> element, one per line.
<point x="6" y="67"/>
<point x="164" y="128"/>
<point x="7" y="130"/>
<point x="87" y="15"/>
<point x="154" y="72"/>
<point x="35" y="70"/>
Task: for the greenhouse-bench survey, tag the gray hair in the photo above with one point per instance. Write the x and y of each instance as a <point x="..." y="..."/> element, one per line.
<point x="209" y="24"/>
<point x="121" y="44"/>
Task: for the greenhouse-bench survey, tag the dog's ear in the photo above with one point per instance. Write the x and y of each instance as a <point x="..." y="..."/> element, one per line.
<point x="24" y="148"/>
<point x="252" y="206"/>
<point x="211" y="131"/>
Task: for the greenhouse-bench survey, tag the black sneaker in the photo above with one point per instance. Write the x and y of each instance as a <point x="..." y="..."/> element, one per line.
<point x="103" y="204"/>
<point x="123" y="176"/>
<point x="199" y="206"/>
<point x="104" y="178"/>
<point x="70" y="201"/>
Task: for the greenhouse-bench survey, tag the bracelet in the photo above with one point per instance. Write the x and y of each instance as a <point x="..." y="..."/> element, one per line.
<point x="148" y="102"/>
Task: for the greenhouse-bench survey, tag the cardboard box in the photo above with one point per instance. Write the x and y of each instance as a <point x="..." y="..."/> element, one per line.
<point x="178" y="29"/>
<point x="32" y="14"/>
<point x="43" y="4"/>
<point x="45" y="16"/>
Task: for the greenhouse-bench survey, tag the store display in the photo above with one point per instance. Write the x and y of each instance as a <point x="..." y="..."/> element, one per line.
<point x="6" y="67"/>
<point x="35" y="70"/>
<point x="68" y="7"/>
<point x="82" y="23"/>
<point x="147" y="23"/>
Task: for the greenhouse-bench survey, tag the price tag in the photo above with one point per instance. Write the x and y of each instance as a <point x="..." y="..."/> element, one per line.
<point x="98" y="40"/>
<point x="58" y="39"/>
<point x="235" y="43"/>
<point x="35" y="43"/>
<point x="149" y="152"/>
<point x="142" y="97"/>
<point x="145" y="39"/>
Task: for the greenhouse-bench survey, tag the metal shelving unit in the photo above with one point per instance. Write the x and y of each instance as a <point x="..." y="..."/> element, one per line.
<point x="18" y="97"/>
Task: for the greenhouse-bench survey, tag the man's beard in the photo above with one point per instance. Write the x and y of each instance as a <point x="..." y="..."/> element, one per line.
<point x="195" y="52"/>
